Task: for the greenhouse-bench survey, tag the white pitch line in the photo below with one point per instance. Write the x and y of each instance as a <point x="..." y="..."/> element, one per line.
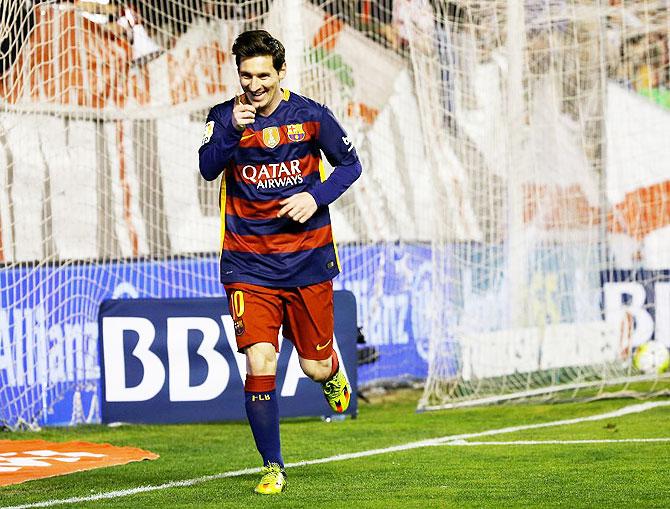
<point x="457" y="443"/>
<point x="446" y="440"/>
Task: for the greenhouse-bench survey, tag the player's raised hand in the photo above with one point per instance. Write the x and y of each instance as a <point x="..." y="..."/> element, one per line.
<point x="243" y="114"/>
<point x="299" y="207"/>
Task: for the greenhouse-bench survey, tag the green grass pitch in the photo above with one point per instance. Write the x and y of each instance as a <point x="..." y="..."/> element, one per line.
<point x="613" y="474"/>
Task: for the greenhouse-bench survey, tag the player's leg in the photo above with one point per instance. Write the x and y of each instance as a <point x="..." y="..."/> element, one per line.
<point x="336" y="387"/>
<point x="309" y="317"/>
<point x="261" y="405"/>
<point x="257" y="314"/>
<point x="319" y="370"/>
<point x="260" y="401"/>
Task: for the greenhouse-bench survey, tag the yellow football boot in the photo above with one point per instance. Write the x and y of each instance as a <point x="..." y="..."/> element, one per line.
<point x="273" y="481"/>
<point x="337" y="392"/>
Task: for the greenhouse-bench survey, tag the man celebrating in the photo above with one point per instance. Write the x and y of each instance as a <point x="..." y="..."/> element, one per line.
<point x="278" y="257"/>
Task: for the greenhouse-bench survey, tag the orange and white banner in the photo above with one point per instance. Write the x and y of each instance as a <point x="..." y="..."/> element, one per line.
<point x="25" y="460"/>
<point x="74" y="65"/>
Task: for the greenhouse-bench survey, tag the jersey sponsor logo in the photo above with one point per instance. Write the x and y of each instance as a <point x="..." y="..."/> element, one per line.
<point x="321" y="347"/>
<point x="273" y="175"/>
<point x="271" y="137"/>
<point x="207" y="135"/>
<point x="295" y="132"/>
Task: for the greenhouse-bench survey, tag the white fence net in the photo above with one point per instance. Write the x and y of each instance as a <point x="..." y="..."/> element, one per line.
<point x="510" y="233"/>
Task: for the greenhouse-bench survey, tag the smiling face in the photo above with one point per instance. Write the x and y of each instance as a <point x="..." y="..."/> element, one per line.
<point x="260" y="82"/>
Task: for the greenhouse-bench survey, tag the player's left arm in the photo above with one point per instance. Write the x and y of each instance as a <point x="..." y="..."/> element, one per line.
<point x="341" y="154"/>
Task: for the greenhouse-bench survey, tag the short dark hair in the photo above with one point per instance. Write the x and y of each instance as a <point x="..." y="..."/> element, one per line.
<point x="256" y="43"/>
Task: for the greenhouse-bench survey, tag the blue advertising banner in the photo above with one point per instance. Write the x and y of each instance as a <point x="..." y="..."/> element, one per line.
<point x="49" y="359"/>
<point x="175" y="361"/>
<point x="393" y="288"/>
<point x="641" y="297"/>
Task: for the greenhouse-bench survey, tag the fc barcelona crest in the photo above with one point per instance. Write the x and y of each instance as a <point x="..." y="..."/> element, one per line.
<point x="295" y="132"/>
<point x="271" y="137"/>
<point x="239" y="327"/>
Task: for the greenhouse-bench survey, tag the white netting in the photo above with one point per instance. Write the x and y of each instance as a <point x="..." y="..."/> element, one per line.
<point x="558" y="153"/>
<point x="509" y="182"/>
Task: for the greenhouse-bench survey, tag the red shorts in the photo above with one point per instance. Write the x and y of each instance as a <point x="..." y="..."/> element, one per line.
<point x="305" y="313"/>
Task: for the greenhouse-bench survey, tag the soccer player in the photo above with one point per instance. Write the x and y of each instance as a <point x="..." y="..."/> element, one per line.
<point x="278" y="257"/>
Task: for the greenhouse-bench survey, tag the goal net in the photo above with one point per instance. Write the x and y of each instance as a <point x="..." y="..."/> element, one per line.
<point x="550" y="262"/>
<point x="509" y="235"/>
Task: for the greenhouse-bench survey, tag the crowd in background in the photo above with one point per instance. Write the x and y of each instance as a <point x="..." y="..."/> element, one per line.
<point x="637" y="31"/>
<point x="165" y="20"/>
<point x="639" y="53"/>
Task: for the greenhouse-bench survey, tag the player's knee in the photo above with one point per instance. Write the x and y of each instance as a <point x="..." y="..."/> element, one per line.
<point x="319" y="371"/>
<point x="261" y="359"/>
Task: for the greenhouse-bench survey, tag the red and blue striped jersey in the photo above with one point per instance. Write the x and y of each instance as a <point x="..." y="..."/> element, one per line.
<point x="273" y="158"/>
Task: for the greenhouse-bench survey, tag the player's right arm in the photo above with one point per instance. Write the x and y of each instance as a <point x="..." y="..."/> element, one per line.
<point x="223" y="130"/>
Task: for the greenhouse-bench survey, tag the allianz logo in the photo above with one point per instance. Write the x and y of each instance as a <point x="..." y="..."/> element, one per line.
<point x="34" y="351"/>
